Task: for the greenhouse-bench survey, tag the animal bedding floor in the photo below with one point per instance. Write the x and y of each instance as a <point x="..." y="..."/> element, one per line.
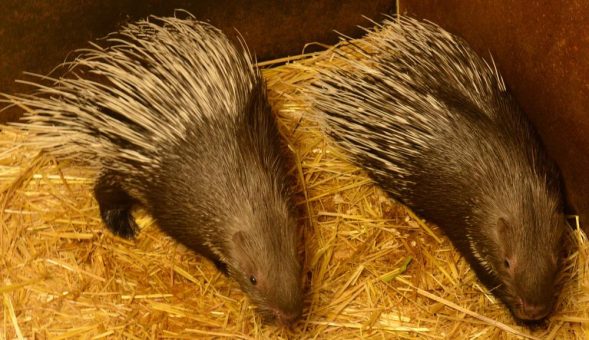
<point x="371" y="268"/>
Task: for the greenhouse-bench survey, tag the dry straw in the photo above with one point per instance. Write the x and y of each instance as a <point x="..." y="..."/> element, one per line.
<point x="372" y="269"/>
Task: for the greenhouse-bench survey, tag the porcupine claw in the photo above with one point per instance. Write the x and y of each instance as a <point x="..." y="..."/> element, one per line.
<point x="115" y="207"/>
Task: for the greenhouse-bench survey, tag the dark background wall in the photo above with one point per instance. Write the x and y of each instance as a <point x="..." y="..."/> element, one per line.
<point x="542" y="50"/>
<point x="36" y="36"/>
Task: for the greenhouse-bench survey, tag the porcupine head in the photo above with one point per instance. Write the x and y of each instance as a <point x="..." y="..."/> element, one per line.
<point x="515" y="243"/>
<point x="181" y="125"/>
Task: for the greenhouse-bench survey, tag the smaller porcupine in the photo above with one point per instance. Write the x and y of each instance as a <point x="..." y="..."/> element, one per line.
<point x="434" y="125"/>
<point x="179" y="123"/>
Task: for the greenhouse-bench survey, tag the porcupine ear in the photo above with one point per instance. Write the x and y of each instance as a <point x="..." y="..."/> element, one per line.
<point x="501" y="230"/>
<point x="239" y="238"/>
<point x="502" y="226"/>
<point x="503" y="234"/>
<point x="242" y="246"/>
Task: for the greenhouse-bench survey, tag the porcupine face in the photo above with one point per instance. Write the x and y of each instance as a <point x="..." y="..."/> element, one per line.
<point x="238" y="215"/>
<point x="266" y="266"/>
<point x="511" y="233"/>
<point x="520" y="250"/>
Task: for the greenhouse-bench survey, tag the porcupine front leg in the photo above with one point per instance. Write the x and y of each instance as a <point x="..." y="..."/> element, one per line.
<point x="115" y="206"/>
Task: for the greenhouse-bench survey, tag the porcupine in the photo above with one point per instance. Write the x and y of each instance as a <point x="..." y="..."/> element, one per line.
<point x="178" y="121"/>
<point x="434" y="125"/>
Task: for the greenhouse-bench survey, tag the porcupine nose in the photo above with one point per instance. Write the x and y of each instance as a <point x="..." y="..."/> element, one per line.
<point x="287" y="318"/>
<point x="532" y="311"/>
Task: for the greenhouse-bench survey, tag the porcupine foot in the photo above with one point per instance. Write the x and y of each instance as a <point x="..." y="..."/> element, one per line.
<point x="115" y="207"/>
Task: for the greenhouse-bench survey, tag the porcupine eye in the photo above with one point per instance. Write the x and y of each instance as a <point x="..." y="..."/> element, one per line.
<point x="506" y="264"/>
<point x="253" y="280"/>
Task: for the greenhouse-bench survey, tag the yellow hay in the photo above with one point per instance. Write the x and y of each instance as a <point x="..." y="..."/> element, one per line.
<point x="371" y="268"/>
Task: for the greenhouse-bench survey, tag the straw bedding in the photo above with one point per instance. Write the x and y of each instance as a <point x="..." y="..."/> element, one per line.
<point x="372" y="269"/>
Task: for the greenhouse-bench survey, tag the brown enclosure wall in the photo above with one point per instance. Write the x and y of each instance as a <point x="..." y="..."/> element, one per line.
<point x="542" y="49"/>
<point x="35" y="35"/>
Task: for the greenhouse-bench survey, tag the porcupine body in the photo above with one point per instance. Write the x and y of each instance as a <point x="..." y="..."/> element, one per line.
<point x="180" y="124"/>
<point x="436" y="128"/>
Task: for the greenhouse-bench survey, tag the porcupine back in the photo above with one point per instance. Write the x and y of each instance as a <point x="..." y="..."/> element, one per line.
<point x="140" y="75"/>
<point x="434" y="125"/>
<point x="179" y="122"/>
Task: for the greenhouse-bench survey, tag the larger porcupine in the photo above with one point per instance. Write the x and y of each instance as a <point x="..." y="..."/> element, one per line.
<point x="435" y="126"/>
<point x="177" y="119"/>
